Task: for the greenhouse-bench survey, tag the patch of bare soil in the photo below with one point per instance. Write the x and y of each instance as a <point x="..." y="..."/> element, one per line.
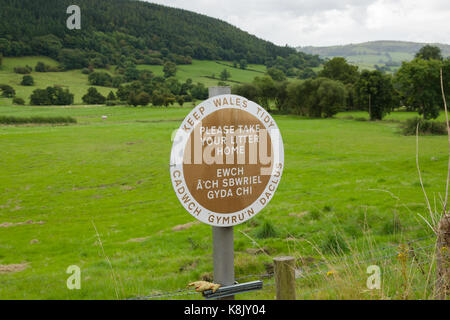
<point x="185" y="226"/>
<point x="11" y="268"/>
<point x="9" y="224"/>
<point x="138" y="239"/>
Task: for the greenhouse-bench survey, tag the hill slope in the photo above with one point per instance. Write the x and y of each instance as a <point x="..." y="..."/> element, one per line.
<point x="112" y="30"/>
<point x="369" y="54"/>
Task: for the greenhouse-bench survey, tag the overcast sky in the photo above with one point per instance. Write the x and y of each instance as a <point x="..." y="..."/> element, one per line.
<point x="330" y="22"/>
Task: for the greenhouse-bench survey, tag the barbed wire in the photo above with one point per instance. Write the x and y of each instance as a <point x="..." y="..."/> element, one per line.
<point x="185" y="292"/>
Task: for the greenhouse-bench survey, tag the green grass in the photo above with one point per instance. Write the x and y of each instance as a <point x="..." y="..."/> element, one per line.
<point x="341" y="177"/>
<point x="77" y="82"/>
<point x="202" y="71"/>
<point x="74" y="80"/>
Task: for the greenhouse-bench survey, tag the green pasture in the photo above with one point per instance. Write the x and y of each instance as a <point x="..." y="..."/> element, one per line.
<point x="59" y="184"/>
<point x="77" y="82"/>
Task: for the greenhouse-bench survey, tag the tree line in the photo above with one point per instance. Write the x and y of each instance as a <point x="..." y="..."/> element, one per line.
<point x="340" y="86"/>
<point x="115" y="32"/>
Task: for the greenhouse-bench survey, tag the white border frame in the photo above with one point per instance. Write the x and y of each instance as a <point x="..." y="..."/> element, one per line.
<point x="181" y="138"/>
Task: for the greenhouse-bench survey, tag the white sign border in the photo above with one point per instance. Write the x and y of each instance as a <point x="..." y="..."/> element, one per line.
<point x="179" y="143"/>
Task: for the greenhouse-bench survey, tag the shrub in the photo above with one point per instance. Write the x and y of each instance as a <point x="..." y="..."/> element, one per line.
<point x="27" y="81"/>
<point x="18" y="101"/>
<point x="425" y="127"/>
<point x="7" y="91"/>
<point x="23" y="70"/>
<point x="42" y="67"/>
<point x="111" y="103"/>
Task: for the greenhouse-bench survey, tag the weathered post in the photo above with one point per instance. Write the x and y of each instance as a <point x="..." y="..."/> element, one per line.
<point x="443" y="259"/>
<point x="285" y="278"/>
<point x="223" y="237"/>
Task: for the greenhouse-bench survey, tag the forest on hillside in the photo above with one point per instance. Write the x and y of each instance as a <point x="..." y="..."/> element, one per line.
<point x="116" y="30"/>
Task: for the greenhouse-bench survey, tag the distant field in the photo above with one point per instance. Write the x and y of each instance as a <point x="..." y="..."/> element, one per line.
<point x="343" y="177"/>
<point x="199" y="71"/>
<point x="203" y="70"/>
<point x="74" y="80"/>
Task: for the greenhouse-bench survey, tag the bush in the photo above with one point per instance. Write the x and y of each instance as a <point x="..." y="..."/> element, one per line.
<point x="111" y="103"/>
<point x="18" y="101"/>
<point x="86" y="71"/>
<point x="27" y="81"/>
<point x="42" y="67"/>
<point x="7" y="91"/>
<point x="425" y="127"/>
<point x="23" y="70"/>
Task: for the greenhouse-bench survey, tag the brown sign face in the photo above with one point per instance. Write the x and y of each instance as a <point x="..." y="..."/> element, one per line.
<point x="227" y="160"/>
<point x="228" y="180"/>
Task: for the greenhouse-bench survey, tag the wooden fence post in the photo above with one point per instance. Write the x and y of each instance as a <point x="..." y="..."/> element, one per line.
<point x="285" y="277"/>
<point x="443" y="259"/>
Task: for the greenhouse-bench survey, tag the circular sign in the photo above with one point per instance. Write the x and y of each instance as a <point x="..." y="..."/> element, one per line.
<point x="227" y="159"/>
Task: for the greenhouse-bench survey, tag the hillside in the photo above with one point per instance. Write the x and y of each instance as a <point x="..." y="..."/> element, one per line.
<point x="369" y="54"/>
<point x="116" y="30"/>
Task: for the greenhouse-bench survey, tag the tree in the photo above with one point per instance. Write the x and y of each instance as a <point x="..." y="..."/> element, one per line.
<point x="375" y="92"/>
<point x="27" y="81"/>
<point x="100" y="79"/>
<point x="199" y="91"/>
<point x="73" y="59"/>
<point x="1" y="59"/>
<point x="93" y="97"/>
<point x="276" y="74"/>
<point x="169" y="69"/>
<point x="40" y="67"/>
<point x="143" y="98"/>
<point x="131" y="72"/>
<point x="338" y="69"/>
<point x="247" y="90"/>
<point x="225" y="75"/>
<point x="267" y="90"/>
<point x="243" y="64"/>
<point x="111" y="96"/>
<point x="56" y="96"/>
<point x="429" y="52"/>
<point x="418" y="82"/>
<point x="132" y="99"/>
<point x="316" y="98"/>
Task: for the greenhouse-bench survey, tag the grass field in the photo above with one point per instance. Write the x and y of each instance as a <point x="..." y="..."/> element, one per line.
<point x="59" y="184"/>
<point x="77" y="82"/>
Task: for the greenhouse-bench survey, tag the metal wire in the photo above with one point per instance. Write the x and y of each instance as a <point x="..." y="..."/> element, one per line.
<point x="185" y="292"/>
